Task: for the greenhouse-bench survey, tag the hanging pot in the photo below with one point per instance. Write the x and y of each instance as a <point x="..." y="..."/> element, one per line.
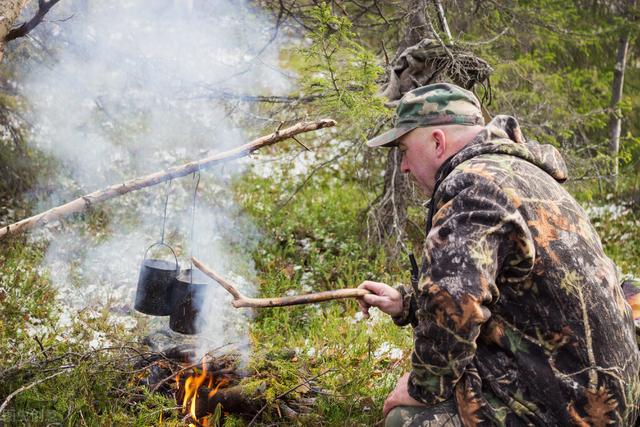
<point x="154" y="294"/>
<point x="188" y="296"/>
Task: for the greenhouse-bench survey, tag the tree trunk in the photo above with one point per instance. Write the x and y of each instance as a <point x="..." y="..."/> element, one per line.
<point x="615" y="121"/>
<point x="9" y="13"/>
<point x="443" y="20"/>
<point x="422" y="58"/>
<point x="390" y="214"/>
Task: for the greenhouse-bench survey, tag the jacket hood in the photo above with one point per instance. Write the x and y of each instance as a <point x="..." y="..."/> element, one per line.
<point x="504" y="136"/>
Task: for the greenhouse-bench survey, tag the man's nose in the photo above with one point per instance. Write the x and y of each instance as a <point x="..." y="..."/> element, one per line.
<point x="404" y="167"/>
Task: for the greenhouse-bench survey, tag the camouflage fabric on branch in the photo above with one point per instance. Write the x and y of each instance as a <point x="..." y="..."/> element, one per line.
<point x="520" y="316"/>
<point x="430" y="61"/>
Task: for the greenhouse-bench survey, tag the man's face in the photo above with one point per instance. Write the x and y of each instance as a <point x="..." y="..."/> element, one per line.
<point x="420" y="157"/>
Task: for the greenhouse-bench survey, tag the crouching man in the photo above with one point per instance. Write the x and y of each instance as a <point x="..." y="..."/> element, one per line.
<point x="517" y="313"/>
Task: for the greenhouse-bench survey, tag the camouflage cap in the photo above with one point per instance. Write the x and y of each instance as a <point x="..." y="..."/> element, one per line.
<point x="431" y="105"/>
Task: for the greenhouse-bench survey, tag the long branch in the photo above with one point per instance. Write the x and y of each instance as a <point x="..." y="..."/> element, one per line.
<point x="82" y="203"/>
<point x="240" y="300"/>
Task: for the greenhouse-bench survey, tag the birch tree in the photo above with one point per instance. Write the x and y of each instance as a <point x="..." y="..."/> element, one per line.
<point x="615" y="120"/>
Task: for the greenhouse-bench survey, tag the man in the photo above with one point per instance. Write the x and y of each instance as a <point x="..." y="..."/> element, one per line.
<point x="518" y="315"/>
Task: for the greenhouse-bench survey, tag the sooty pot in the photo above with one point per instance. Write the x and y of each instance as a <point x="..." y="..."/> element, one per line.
<point x="188" y="296"/>
<point x="154" y="294"/>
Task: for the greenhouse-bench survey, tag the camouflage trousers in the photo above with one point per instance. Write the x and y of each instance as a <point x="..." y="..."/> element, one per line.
<point x="441" y="415"/>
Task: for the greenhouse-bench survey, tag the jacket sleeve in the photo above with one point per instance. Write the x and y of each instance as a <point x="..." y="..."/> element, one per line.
<point x="409" y="304"/>
<point x="477" y="236"/>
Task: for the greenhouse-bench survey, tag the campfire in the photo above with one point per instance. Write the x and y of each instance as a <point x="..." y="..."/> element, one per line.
<point x="204" y="390"/>
<point x="190" y="393"/>
<point x="208" y="389"/>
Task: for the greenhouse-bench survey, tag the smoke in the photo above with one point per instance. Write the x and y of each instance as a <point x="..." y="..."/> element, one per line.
<point x="130" y="87"/>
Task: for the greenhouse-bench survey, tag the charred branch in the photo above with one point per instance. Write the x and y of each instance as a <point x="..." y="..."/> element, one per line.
<point x="235" y="400"/>
<point x="43" y="8"/>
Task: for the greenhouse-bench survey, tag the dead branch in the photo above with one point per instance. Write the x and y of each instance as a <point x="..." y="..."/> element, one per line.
<point x="28" y="386"/>
<point x="280" y="396"/>
<point x="240" y="300"/>
<point x="271" y="99"/>
<point x="310" y="175"/>
<point x="83" y="203"/>
<point x="43" y="8"/>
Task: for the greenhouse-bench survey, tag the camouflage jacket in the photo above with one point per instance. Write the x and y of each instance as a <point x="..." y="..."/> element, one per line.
<point x="519" y="315"/>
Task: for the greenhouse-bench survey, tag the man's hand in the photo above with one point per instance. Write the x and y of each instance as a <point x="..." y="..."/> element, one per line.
<point x="382" y="296"/>
<point x="400" y="396"/>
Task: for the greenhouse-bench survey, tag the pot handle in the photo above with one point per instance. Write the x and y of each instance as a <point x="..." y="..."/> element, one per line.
<point x="170" y="248"/>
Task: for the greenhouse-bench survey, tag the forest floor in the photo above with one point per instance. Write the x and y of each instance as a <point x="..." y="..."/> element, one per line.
<point x="314" y="243"/>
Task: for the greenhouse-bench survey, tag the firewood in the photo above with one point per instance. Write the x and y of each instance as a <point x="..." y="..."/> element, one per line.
<point x="234" y="400"/>
<point x="83" y="203"/>
<point x="240" y="300"/>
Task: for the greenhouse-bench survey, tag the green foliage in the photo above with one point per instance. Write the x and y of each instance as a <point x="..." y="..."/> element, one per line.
<point x="20" y="164"/>
<point x="25" y="295"/>
<point x="314" y="245"/>
<point x="339" y="70"/>
<point x="617" y="221"/>
<point x="92" y="387"/>
<point x="553" y="70"/>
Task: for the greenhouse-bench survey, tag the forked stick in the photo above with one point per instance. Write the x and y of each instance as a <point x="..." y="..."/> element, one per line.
<point x="240" y="300"/>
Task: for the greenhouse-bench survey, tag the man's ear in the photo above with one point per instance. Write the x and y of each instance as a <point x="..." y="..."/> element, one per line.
<point x="440" y="141"/>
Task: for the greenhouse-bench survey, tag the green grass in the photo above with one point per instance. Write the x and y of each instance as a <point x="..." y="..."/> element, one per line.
<point x="92" y="388"/>
<point x="313" y="243"/>
<point x="616" y="219"/>
<point x="318" y="246"/>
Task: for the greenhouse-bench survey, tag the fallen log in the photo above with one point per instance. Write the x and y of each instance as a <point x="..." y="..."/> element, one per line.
<point x="240" y="300"/>
<point x="82" y="203"/>
<point x="234" y="399"/>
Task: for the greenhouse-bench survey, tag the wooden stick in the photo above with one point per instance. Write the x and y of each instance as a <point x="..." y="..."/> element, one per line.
<point x="239" y="300"/>
<point x="27" y="387"/>
<point x="82" y="203"/>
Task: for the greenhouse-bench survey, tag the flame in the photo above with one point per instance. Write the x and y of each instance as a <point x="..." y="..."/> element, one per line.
<point x="191" y="386"/>
<point x="215" y="390"/>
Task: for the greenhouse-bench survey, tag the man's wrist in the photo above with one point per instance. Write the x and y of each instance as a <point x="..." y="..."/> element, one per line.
<point x="398" y="305"/>
<point x="405" y="315"/>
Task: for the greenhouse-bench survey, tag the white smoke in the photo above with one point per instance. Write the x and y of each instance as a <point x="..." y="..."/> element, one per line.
<point x="129" y="87"/>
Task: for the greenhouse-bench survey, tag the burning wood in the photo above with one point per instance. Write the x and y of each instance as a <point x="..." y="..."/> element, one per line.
<point x="211" y="388"/>
<point x="195" y="397"/>
<point x="200" y="396"/>
<point x="239" y="300"/>
<point x="203" y="393"/>
<point x="82" y="203"/>
<point x="202" y="388"/>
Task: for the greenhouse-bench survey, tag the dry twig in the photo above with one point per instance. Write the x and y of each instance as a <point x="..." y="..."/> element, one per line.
<point x="43" y="8"/>
<point x="28" y="386"/>
<point x="280" y="396"/>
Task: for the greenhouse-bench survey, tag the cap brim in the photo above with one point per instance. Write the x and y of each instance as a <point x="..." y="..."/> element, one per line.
<point x="389" y="138"/>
